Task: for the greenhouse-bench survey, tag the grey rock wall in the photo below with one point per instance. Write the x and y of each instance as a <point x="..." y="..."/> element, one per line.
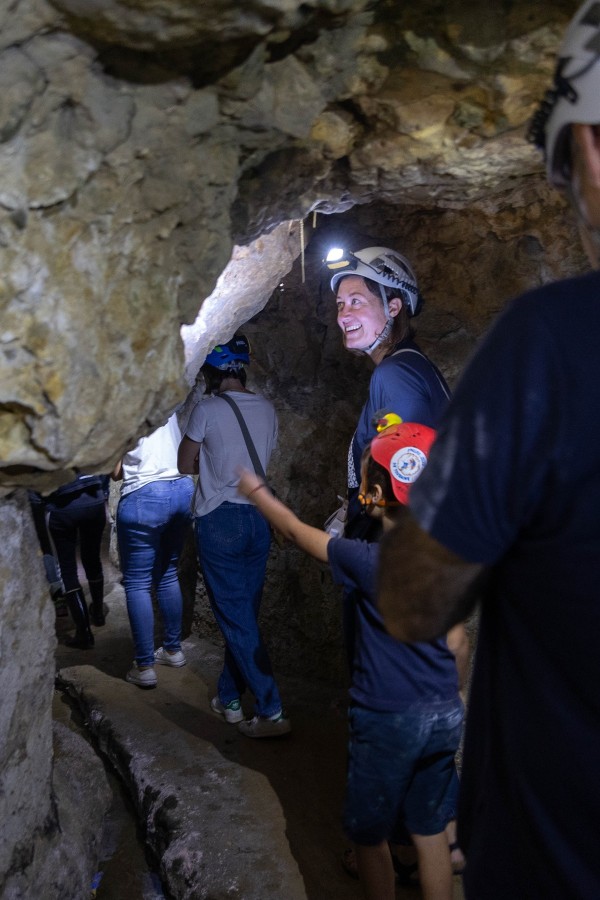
<point x="139" y="141"/>
<point x="27" y="644"/>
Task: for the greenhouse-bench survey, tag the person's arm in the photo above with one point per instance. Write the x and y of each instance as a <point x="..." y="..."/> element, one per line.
<point x="117" y="472"/>
<point x="311" y="540"/>
<point x="460" y="646"/>
<point x="188" y="456"/>
<point x="423" y="588"/>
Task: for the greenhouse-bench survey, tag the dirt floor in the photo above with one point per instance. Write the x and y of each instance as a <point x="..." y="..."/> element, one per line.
<point x="292" y="787"/>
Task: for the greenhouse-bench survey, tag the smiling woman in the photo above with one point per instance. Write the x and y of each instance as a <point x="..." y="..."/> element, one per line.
<point x="377" y="296"/>
<point x="361" y="315"/>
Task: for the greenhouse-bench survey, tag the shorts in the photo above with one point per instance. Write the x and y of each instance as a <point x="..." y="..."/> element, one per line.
<point x="401" y="771"/>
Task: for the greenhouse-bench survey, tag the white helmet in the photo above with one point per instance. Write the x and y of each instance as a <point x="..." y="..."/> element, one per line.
<point x="575" y="96"/>
<point x="382" y="265"/>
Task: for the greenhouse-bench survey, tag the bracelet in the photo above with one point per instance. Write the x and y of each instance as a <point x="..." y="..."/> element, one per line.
<point x="254" y="490"/>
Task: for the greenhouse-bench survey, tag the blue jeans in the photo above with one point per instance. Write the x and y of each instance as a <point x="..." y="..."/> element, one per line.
<point x="233" y="546"/>
<point x="401" y="771"/>
<point x="151" y="523"/>
<point x="76" y="521"/>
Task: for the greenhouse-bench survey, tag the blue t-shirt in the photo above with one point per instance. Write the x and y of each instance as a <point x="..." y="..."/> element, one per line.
<point x="513" y="481"/>
<point x="387" y="675"/>
<point x="407" y="383"/>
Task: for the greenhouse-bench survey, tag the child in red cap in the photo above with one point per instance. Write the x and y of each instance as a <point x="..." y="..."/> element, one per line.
<point x="405" y="711"/>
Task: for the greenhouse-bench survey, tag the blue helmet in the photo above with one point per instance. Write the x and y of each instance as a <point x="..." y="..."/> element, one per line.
<point x="235" y="354"/>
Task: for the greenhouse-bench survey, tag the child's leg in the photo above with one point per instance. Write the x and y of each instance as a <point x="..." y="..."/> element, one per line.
<point x="435" y="869"/>
<point x="376" y="871"/>
<point x="380" y="767"/>
<point x="456" y="855"/>
<point x="431" y="799"/>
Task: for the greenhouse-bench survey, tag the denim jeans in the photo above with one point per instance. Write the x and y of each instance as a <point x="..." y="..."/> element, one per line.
<point x="151" y="524"/>
<point x="401" y="771"/>
<point x="233" y="546"/>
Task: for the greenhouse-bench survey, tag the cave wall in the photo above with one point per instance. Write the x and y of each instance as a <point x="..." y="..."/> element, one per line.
<point x="140" y="141"/>
<point x="150" y="153"/>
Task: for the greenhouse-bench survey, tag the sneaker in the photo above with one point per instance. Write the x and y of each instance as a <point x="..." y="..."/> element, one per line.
<point x="232" y="712"/>
<point x="164" y="658"/>
<point x="265" y="726"/>
<point x="145" y="678"/>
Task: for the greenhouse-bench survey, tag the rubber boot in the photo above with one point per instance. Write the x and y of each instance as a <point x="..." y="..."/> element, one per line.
<point x="97" y="605"/>
<point x="84" y="639"/>
<point x="60" y="606"/>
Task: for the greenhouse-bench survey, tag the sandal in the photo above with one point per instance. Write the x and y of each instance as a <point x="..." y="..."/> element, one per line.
<point x="406" y="874"/>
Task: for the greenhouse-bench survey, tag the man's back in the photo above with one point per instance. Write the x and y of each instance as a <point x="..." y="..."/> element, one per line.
<point x="514" y="483"/>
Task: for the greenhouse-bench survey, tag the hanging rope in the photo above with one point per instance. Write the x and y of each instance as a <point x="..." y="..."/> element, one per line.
<point x="302" y="249"/>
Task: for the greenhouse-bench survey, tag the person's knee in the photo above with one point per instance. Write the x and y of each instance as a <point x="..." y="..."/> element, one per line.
<point x="427" y="842"/>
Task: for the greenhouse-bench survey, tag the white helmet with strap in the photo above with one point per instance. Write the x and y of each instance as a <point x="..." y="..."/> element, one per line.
<point x="382" y="265"/>
<point x="575" y="96"/>
<point x="385" y="267"/>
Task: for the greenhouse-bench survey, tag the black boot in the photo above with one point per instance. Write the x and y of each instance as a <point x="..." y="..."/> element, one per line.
<point x="84" y="639"/>
<point x="97" y="605"/>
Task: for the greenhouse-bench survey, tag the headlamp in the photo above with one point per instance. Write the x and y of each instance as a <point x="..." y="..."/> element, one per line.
<point x="338" y="259"/>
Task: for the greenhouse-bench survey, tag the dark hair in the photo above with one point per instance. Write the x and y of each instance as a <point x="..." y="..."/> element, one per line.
<point x="376" y="474"/>
<point x="213" y="377"/>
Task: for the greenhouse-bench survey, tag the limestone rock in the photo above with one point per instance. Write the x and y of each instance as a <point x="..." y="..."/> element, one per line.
<point x="140" y="140"/>
<point x="27" y="644"/>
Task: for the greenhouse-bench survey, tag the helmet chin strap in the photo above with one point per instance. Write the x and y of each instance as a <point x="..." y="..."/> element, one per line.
<point x="380" y="339"/>
<point x="387" y="328"/>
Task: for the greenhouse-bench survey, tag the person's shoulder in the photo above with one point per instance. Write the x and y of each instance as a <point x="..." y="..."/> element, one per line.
<point x="407" y="355"/>
<point x="406" y="365"/>
<point x="203" y="412"/>
<point x="259" y="400"/>
<point x="560" y="297"/>
<point x="205" y="403"/>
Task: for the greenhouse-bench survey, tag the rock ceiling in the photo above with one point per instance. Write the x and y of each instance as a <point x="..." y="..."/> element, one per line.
<point x="140" y="141"/>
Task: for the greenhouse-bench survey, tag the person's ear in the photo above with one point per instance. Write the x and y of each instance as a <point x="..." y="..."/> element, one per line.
<point x="376" y="493"/>
<point x="394" y="306"/>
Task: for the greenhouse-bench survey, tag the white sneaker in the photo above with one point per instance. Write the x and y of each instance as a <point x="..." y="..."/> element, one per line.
<point x="261" y="726"/>
<point x="232" y="712"/>
<point x="145" y="678"/>
<point x="165" y="658"/>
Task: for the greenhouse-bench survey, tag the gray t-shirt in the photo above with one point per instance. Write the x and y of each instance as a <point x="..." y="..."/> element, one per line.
<point x="214" y="425"/>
